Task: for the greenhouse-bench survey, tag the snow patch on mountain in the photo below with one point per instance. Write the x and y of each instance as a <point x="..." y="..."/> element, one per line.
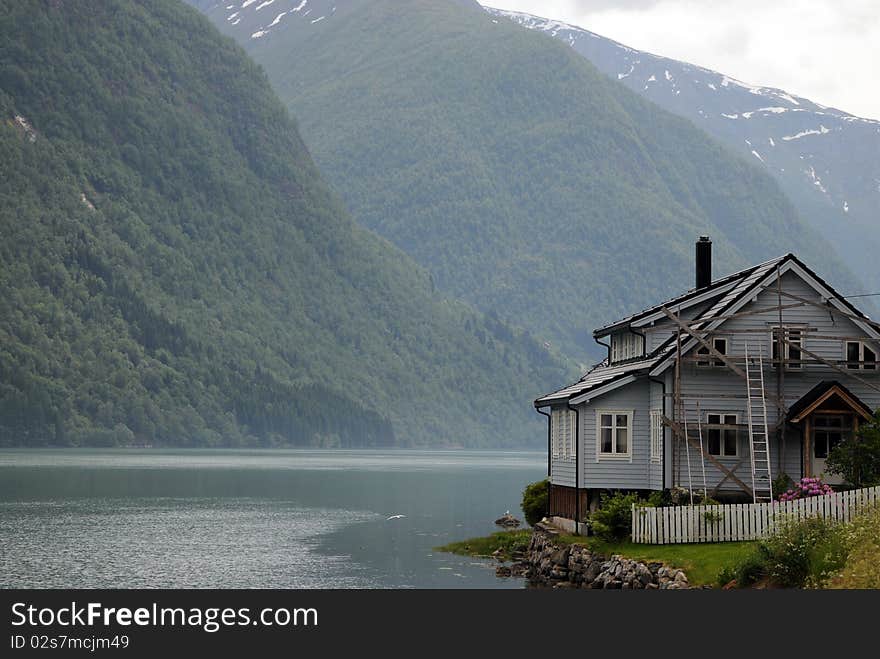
<point x="822" y="131"/>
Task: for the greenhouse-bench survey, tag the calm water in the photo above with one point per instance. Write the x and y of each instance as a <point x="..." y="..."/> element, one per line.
<point x="253" y="519"/>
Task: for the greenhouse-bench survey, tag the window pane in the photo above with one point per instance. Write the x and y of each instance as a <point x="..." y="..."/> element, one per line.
<point x="820" y="445"/>
<point x="622" y="440"/>
<point x="606" y="420"/>
<point x="730" y="420"/>
<point x="834" y="438"/>
<point x="794" y="348"/>
<point x="730" y="442"/>
<point x="702" y="351"/>
<point x="870" y="359"/>
<point x="714" y="419"/>
<point x="721" y="346"/>
<point x="621" y="421"/>
<point x="852" y="354"/>
<point x="714" y="442"/>
<point x="606" y="440"/>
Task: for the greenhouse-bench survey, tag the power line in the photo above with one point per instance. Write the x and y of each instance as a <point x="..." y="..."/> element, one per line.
<point x="849" y="297"/>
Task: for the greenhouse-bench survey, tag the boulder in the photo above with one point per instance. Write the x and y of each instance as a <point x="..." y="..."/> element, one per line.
<point x="508" y="521"/>
<point x="560" y="557"/>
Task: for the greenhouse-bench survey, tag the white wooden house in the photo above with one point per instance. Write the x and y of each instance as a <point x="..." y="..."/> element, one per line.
<point x="728" y="385"/>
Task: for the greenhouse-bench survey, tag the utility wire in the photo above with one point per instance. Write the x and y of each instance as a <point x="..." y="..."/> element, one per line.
<point x="848" y="297"/>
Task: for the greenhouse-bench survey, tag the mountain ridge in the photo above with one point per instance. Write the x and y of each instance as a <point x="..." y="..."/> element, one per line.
<point x="175" y="271"/>
<point x="825" y="159"/>
<point x="510" y="167"/>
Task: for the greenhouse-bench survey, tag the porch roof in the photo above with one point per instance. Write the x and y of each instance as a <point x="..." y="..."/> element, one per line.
<point x="811" y="401"/>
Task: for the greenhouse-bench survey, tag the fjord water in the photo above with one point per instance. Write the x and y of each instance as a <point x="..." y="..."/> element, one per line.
<point x="252" y="519"/>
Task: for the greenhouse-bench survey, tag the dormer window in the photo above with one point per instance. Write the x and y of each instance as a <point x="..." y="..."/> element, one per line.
<point x="860" y="355"/>
<point x="626" y="345"/>
<point x="792" y="342"/>
<point x="720" y="346"/>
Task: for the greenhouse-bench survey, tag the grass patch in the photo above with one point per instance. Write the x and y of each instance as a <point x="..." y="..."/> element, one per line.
<point x="701" y="562"/>
<point x="508" y="542"/>
<point x="862" y="567"/>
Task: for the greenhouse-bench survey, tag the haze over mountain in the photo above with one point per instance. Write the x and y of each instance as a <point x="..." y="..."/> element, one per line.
<point x="826" y="160"/>
<point x="524" y="179"/>
<point x="173" y="270"/>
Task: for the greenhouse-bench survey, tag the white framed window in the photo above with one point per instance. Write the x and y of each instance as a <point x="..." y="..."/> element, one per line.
<point x="828" y="432"/>
<point x="656" y="435"/>
<point x="626" y="345"/>
<point x="860" y="355"/>
<point x="720" y="346"/>
<point x="562" y="433"/>
<point x="614" y="434"/>
<point x="792" y="349"/>
<point x="722" y="442"/>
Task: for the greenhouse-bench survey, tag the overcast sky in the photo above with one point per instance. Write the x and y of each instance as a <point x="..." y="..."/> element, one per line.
<point x="825" y="50"/>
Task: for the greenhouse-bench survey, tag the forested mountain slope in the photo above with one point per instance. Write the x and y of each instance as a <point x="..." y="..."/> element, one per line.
<point x="174" y="271"/>
<point x="525" y="180"/>
<point x="826" y="160"/>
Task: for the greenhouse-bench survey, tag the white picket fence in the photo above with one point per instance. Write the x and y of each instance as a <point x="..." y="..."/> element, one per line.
<point x="747" y="521"/>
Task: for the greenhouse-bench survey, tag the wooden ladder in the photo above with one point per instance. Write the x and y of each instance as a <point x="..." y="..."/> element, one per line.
<point x="759" y="433"/>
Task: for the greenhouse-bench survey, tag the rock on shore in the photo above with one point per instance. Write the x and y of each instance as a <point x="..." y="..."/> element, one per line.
<point x="548" y="564"/>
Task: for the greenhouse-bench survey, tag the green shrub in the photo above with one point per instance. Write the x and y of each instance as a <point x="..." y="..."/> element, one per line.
<point x="534" y="501"/>
<point x="800" y="554"/>
<point x="678" y="496"/>
<point x="782" y="483"/>
<point x="613" y="519"/>
<point x="857" y="458"/>
<point x="660" y="498"/>
<point x="746" y="573"/>
<point x="862" y="566"/>
<point x="751" y="570"/>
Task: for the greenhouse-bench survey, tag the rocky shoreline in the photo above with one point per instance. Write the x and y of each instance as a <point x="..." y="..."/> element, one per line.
<point x="548" y="564"/>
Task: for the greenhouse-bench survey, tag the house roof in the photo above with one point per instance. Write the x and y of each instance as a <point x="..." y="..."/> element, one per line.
<point x="822" y="392"/>
<point x="685" y="299"/>
<point x="600" y="375"/>
<point x="730" y="290"/>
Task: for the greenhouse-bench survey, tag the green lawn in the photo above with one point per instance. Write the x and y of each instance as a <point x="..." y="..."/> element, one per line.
<point x="701" y="562"/>
<point x="508" y="541"/>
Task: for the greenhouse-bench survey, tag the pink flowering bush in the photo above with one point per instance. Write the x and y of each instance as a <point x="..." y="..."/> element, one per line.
<point x="808" y="487"/>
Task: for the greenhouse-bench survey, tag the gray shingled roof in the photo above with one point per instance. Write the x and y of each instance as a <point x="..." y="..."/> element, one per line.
<point x="759" y="270"/>
<point x="603" y="373"/>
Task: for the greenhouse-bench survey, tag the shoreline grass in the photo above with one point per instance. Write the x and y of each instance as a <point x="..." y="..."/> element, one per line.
<point x="701" y="562"/>
<point x="509" y="542"/>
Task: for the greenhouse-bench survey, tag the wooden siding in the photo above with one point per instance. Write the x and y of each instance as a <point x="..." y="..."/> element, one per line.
<point x="740" y="465"/>
<point x="634" y="473"/>
<point x="562" y="502"/>
<point x="561" y="469"/>
<point x="719" y="390"/>
<point x="655" y="469"/>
